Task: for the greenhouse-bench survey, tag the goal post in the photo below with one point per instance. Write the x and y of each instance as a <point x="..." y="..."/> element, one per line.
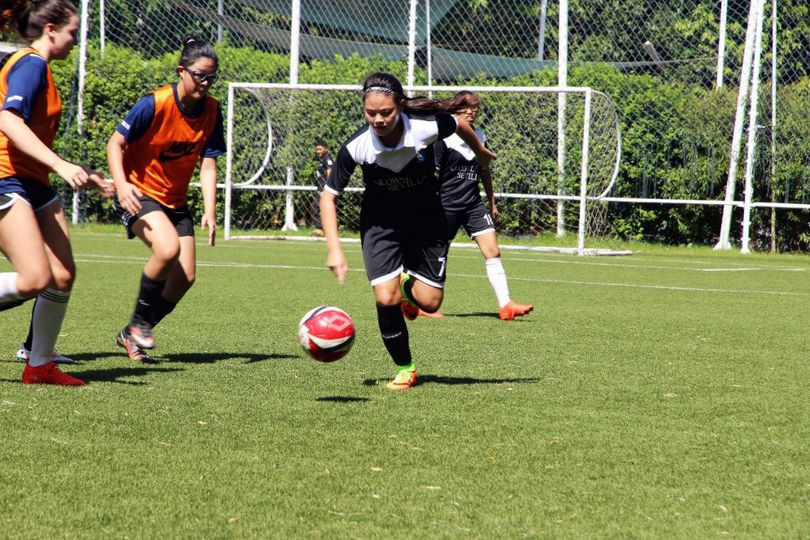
<point x="270" y="168"/>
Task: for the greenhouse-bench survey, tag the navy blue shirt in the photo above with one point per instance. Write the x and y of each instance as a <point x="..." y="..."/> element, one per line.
<point x="26" y="79"/>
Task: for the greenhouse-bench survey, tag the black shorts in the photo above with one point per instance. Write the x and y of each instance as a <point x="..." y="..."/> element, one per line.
<point x="180" y="217"/>
<point x="417" y="246"/>
<point x="37" y="194"/>
<point x="475" y="219"/>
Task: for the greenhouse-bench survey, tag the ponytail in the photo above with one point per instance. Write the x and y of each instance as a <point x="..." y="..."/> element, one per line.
<point x="418" y="106"/>
<point x="29" y="17"/>
<point x="195" y="48"/>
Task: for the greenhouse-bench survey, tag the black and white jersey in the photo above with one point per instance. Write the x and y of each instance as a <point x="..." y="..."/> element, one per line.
<point x="393" y="177"/>
<point x="459" y="172"/>
<point x="324" y="164"/>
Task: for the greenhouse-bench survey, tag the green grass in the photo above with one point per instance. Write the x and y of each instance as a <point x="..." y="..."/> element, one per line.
<point x="645" y="397"/>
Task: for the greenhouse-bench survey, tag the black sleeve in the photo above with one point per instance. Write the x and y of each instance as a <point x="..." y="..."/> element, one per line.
<point x="439" y="151"/>
<point x="341" y="171"/>
<point x="447" y="124"/>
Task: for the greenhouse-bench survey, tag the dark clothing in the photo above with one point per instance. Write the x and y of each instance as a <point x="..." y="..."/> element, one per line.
<point x="180" y="217"/>
<point x="475" y="220"/>
<point x="324" y="164"/>
<point x="459" y="173"/>
<point x="37" y="194"/>
<point x="459" y="178"/>
<point x="321" y="176"/>
<point x="402" y="223"/>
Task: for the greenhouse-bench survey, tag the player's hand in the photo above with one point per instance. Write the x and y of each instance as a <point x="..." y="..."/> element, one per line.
<point x="210" y="222"/>
<point x="336" y="262"/>
<point x="74" y="175"/>
<point x="493" y="210"/>
<point x="485" y="156"/>
<point x="98" y="183"/>
<point x="128" y="196"/>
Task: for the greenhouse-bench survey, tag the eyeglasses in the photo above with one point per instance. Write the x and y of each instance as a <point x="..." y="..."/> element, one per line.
<point x="201" y="77"/>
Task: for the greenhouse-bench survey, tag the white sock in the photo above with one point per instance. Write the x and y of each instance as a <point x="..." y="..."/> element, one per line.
<point x="49" y="312"/>
<point x="8" y="287"/>
<point x="497" y="278"/>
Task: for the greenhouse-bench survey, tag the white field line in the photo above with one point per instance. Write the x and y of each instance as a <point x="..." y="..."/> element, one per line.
<point x="107" y="259"/>
<point x="728" y="269"/>
<point x="545" y="258"/>
<point x="565" y="260"/>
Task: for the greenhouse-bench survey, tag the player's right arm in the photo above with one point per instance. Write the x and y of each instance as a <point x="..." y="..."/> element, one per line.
<point x="335" y="259"/>
<point x="336" y="182"/>
<point x="127" y="193"/>
<point x="137" y="120"/>
<point x="26" y="141"/>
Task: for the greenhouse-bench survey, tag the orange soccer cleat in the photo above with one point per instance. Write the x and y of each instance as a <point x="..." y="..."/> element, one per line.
<point x="513" y="309"/>
<point x="434" y="315"/>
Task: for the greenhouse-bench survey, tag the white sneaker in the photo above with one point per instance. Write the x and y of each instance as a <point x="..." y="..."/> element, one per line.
<point x="23" y="354"/>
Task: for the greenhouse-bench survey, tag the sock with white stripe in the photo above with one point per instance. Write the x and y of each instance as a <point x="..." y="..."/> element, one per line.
<point x="49" y="312"/>
<point x="394" y="333"/>
<point x="497" y="278"/>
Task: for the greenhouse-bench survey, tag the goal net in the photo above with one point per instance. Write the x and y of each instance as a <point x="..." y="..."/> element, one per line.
<point x="558" y="155"/>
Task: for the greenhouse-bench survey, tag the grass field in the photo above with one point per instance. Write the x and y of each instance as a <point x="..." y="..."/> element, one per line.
<point x="659" y="395"/>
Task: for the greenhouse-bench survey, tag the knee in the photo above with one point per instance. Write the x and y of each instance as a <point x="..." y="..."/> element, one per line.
<point x="30" y="284"/>
<point x="432" y="305"/>
<point x="388" y="297"/>
<point x="63" y="278"/>
<point x="166" y="253"/>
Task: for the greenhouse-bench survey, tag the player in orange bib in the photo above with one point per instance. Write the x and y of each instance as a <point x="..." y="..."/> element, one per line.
<point x="152" y="156"/>
<point x="33" y="228"/>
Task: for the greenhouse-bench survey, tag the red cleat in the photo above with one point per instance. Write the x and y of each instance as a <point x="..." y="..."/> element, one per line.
<point x="513" y="309"/>
<point x="48" y="374"/>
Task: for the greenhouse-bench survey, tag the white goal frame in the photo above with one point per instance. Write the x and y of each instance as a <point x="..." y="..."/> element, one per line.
<point x="582" y="199"/>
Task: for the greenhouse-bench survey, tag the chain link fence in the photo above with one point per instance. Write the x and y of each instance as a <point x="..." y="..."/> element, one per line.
<point x="672" y="68"/>
<point x="274" y="129"/>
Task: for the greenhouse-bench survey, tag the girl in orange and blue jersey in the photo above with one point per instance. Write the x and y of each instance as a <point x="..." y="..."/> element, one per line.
<point x="152" y="156"/>
<point x="33" y="228"/>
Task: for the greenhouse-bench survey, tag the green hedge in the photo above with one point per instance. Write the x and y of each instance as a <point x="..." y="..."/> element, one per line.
<point x="675" y="137"/>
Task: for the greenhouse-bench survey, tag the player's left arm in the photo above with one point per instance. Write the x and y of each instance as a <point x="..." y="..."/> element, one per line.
<point x="208" y="181"/>
<point x="486" y="180"/>
<point x="482" y="154"/>
<point x="208" y="177"/>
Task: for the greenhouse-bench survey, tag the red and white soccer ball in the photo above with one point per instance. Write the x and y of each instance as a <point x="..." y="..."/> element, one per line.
<point x="326" y="333"/>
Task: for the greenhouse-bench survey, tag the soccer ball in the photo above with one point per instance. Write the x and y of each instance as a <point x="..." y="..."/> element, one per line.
<point x="326" y="333"/>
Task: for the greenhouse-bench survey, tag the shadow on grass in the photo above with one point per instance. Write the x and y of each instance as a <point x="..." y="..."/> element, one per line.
<point x="116" y="374"/>
<point x="452" y="381"/>
<point x="210" y="358"/>
<point x="485" y="315"/>
<point x="342" y="399"/>
<point x="78" y="358"/>
<point x="111" y="375"/>
<point x="90" y="356"/>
